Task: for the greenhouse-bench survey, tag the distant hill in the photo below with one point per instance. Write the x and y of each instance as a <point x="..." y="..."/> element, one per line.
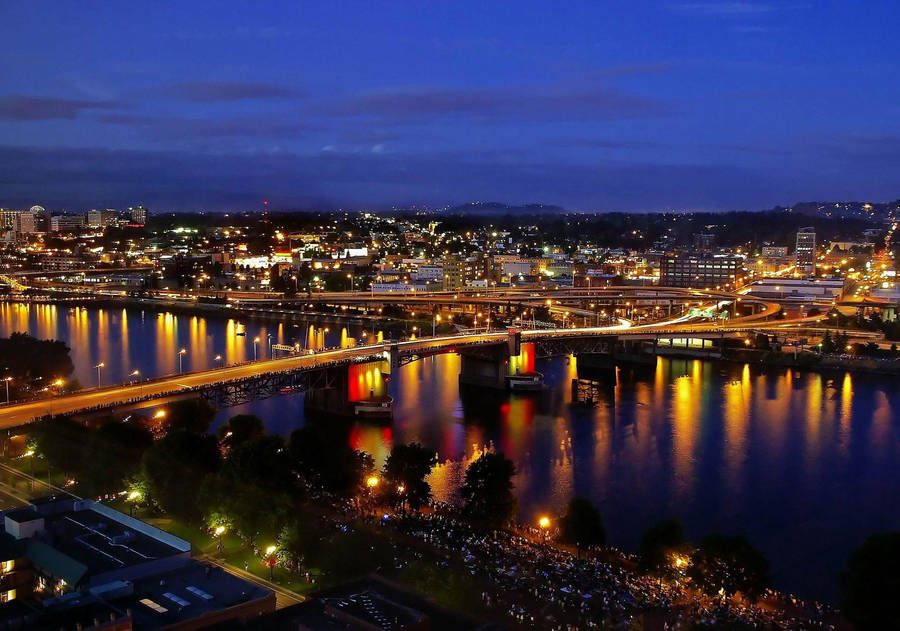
<point x="499" y="209"/>
<point x="847" y="210"/>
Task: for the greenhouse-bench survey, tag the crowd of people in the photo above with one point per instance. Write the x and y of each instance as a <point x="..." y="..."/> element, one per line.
<point x="531" y="582"/>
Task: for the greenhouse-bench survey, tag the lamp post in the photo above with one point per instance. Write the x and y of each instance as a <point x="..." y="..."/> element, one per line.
<point x="181" y="355"/>
<point x="350" y="276"/>
<point x="218" y="358"/>
<point x="30" y="454"/>
<point x="434" y="320"/>
<point x="255" y="344"/>
<point x="270" y="552"/>
<point x="99" y="367"/>
<point x="7" y="380"/>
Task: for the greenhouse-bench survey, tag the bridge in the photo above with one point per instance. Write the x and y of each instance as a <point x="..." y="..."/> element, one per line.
<point x="319" y="371"/>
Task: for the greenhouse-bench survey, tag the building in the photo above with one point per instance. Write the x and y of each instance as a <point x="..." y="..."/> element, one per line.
<point x="799" y="289"/>
<point x="700" y="270"/>
<point x="427" y="273"/>
<point x="773" y="259"/>
<point x="805" y="252"/>
<point x="703" y="240"/>
<point x="454" y="273"/>
<point x="101" y="218"/>
<point x="138" y="215"/>
<point x="72" y="564"/>
<point x="26" y="223"/>
<point x="67" y="223"/>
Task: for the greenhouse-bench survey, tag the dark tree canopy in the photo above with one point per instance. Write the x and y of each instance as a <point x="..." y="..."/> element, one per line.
<point x="25" y="359"/>
<point x="174" y="468"/>
<point x="488" y="490"/>
<point x="325" y="460"/>
<point x="870" y="583"/>
<point x="407" y="467"/>
<point x="112" y="455"/>
<point x="241" y="428"/>
<point x="194" y="415"/>
<point x="659" y="541"/>
<point x="582" y="525"/>
<point x="61" y="441"/>
<point x="262" y="462"/>
<point x="730" y="564"/>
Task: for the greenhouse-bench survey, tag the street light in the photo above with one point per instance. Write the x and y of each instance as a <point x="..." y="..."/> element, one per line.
<point x="255" y="344"/>
<point x="98" y="367"/>
<point x="7" y="380"/>
<point x="218" y="358"/>
<point x="434" y="320"/>
<point x="181" y="355"/>
<point x="270" y="552"/>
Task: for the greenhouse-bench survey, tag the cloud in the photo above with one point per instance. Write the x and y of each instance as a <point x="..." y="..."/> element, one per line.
<point x="227" y="90"/>
<point x="259" y="127"/>
<point x="495" y="103"/>
<point x="17" y="107"/>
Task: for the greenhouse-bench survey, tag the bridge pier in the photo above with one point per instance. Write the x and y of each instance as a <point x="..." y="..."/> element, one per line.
<point x="509" y="367"/>
<point x="356" y="391"/>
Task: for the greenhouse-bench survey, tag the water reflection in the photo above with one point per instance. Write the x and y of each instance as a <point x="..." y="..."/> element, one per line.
<point x="805" y="464"/>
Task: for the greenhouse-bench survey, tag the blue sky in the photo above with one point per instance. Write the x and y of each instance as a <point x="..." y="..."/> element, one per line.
<point x="635" y="106"/>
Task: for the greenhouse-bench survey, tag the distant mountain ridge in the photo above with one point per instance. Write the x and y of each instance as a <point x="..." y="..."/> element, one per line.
<point x="498" y="208"/>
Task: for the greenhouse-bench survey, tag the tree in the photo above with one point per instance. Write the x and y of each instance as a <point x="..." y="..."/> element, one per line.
<point x="660" y="541"/>
<point x="326" y="461"/>
<point x="174" y="468"/>
<point x="298" y="540"/>
<point x="194" y="415"/>
<point x="262" y="462"/>
<point x="582" y="525"/>
<point x="870" y="583"/>
<point x="113" y="455"/>
<point x="241" y="428"/>
<point x="249" y="509"/>
<point x="729" y="564"/>
<point x="406" y="468"/>
<point x="60" y="440"/>
<point x="488" y="490"/>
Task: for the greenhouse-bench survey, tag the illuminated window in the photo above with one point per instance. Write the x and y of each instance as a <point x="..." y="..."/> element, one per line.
<point x="7" y="566"/>
<point x="7" y="596"/>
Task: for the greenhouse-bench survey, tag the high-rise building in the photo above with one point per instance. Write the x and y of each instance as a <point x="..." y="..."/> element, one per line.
<point x="805" y="251"/>
<point x="9" y="219"/>
<point x="138" y="215"/>
<point x="26" y="223"/>
<point x="454" y="273"/>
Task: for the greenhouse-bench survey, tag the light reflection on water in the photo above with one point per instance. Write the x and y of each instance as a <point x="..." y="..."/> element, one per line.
<point x="805" y="464"/>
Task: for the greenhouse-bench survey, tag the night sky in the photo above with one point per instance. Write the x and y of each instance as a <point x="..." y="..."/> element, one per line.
<point x="595" y="106"/>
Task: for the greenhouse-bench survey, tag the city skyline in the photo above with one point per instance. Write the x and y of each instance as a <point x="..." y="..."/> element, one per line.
<point x="666" y="106"/>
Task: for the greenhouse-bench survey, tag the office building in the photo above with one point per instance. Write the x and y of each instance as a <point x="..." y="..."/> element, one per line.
<point x="700" y="270"/>
<point x="101" y="218"/>
<point x="138" y="215"/>
<point x="67" y="223"/>
<point x="805" y="251"/>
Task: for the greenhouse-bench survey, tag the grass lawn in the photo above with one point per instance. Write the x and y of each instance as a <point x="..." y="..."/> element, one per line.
<point x="236" y="551"/>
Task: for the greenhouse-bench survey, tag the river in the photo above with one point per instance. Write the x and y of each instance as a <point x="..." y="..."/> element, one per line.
<point x="805" y="464"/>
